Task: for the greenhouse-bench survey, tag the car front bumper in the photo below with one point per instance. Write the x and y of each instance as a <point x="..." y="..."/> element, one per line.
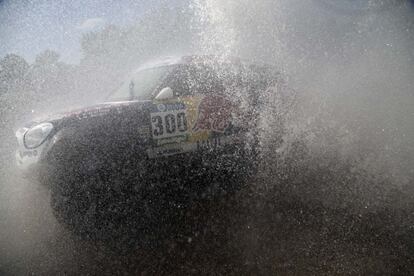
<point x="29" y="161"/>
<point x="28" y="166"/>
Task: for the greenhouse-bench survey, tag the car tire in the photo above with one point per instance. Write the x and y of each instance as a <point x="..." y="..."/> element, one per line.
<point x="72" y="198"/>
<point x="87" y="203"/>
<point x="77" y="212"/>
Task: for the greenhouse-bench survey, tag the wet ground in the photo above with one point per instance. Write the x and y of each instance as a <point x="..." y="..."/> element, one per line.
<point x="250" y="233"/>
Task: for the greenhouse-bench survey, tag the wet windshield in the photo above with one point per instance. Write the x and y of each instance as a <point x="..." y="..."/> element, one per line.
<point x="141" y="85"/>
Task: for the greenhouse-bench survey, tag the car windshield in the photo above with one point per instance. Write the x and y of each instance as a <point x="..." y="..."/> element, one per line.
<point x="195" y="79"/>
<point x="141" y="85"/>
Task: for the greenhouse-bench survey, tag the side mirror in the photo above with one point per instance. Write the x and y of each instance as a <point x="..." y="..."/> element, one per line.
<point x="165" y="94"/>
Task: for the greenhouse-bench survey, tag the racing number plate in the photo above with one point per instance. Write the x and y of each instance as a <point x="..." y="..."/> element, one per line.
<point x="169" y="121"/>
<point x="190" y="124"/>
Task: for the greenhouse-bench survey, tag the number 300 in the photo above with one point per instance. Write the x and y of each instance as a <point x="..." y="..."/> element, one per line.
<point x="170" y="124"/>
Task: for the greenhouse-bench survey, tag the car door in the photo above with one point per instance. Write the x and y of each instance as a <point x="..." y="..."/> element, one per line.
<point x="200" y="114"/>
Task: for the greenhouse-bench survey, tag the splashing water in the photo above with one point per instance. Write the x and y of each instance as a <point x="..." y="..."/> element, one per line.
<point x="351" y="73"/>
<point x="337" y="130"/>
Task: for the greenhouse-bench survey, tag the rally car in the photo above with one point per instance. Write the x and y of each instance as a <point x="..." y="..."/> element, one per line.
<point x="175" y="127"/>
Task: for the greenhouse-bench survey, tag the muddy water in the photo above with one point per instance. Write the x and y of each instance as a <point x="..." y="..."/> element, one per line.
<point x="249" y="233"/>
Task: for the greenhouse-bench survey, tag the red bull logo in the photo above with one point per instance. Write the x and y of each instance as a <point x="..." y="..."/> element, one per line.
<point x="214" y="113"/>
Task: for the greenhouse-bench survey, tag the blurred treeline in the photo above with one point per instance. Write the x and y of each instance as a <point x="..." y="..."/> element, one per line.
<point x="47" y="83"/>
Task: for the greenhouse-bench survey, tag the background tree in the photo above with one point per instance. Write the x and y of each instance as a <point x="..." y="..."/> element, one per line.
<point x="13" y="69"/>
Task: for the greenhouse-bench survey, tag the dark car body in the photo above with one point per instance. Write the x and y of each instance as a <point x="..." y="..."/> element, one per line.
<point x="140" y="146"/>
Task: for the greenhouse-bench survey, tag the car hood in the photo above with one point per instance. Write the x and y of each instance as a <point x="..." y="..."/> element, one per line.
<point x="84" y="112"/>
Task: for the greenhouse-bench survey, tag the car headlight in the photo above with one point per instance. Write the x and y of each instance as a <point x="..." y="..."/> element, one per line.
<point x="36" y="135"/>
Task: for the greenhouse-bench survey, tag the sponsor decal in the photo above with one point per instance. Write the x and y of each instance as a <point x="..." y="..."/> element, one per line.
<point x="209" y="144"/>
<point x="161" y="107"/>
<point x="164" y="107"/>
<point x="214" y="114"/>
